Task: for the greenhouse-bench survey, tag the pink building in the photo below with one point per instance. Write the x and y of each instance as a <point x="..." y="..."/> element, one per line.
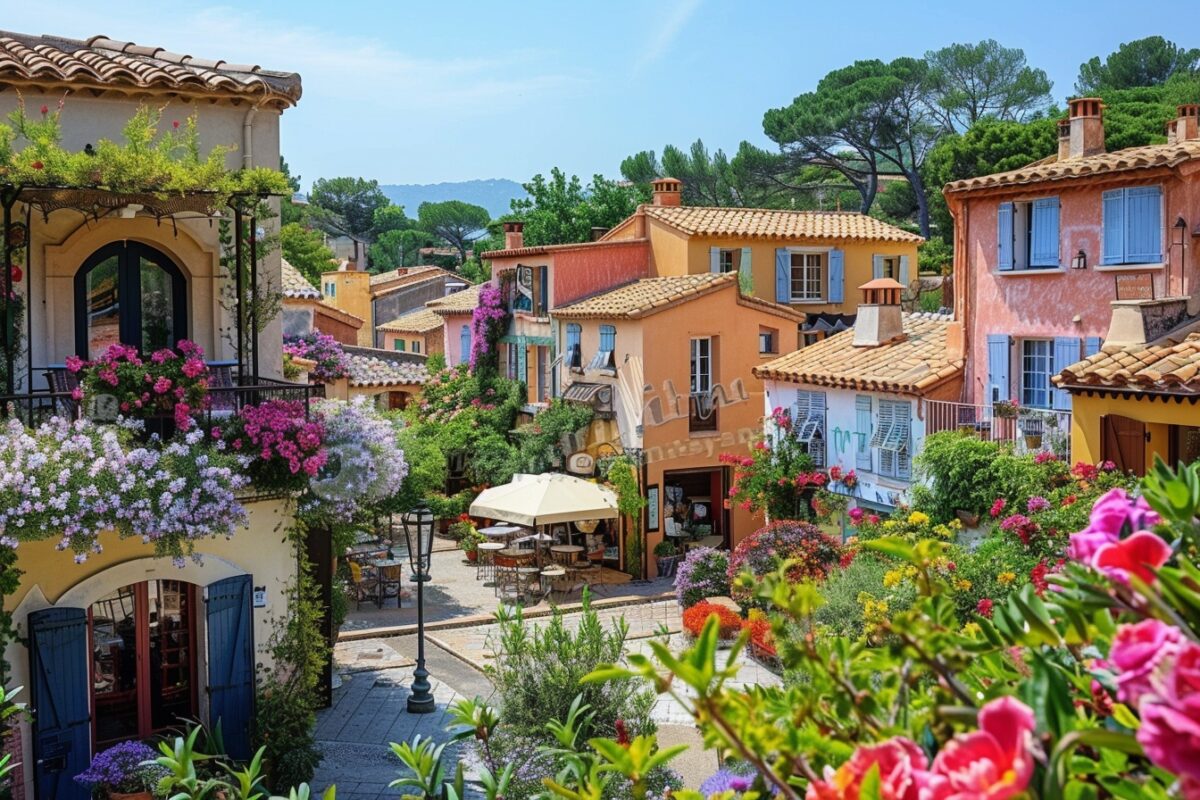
<point x="1083" y="248"/>
<point x="455" y="310"/>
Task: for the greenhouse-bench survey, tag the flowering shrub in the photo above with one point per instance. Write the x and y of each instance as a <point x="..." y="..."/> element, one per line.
<point x="172" y="384"/>
<point x="811" y="553"/>
<point x="762" y="640"/>
<point x="322" y="348"/>
<point x="694" y="618"/>
<point x="488" y="323"/>
<point x="702" y="574"/>
<point x="778" y="476"/>
<point x="363" y="465"/>
<point x="76" y="479"/>
<point x="284" y="446"/>
<point x="123" y="769"/>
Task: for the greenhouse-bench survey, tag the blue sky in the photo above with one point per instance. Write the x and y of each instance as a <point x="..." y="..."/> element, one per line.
<point x="442" y="91"/>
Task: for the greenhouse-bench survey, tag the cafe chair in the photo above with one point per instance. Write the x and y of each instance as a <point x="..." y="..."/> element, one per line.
<point x="364" y="583"/>
<point x="390" y="584"/>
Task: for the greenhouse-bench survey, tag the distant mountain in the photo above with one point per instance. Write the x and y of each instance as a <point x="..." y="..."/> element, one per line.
<point x="494" y="194"/>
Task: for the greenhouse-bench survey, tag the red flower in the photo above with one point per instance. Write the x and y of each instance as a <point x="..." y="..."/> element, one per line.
<point x="1139" y="555"/>
<point x="998" y="506"/>
<point x="175" y="124"/>
<point x="984" y="608"/>
<point x="622" y="733"/>
<point x="695" y="618"/>
<point x="45" y="109"/>
<point x="900" y="766"/>
<point x="1037" y="576"/>
<point x="37" y="165"/>
<point x="992" y="763"/>
<point x="15" y="273"/>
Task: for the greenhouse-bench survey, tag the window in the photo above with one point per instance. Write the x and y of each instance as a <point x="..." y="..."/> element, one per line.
<point x="574" y="346"/>
<point x="889" y="267"/>
<point x="1036" y="368"/>
<point x="464" y="344"/>
<point x="862" y="432"/>
<point x="702" y="412"/>
<point x="330" y="289"/>
<point x="398" y="345"/>
<point x="808" y="423"/>
<point x="513" y="361"/>
<point x="129" y="293"/>
<point x="892" y="437"/>
<point x="604" y="358"/>
<point x="701" y="370"/>
<point x="543" y="374"/>
<point x="1028" y="234"/>
<point x="532" y="290"/>
<point x="416" y="348"/>
<point x="807" y="276"/>
<point x="727" y="259"/>
<point x="1133" y="227"/>
<point x="768" y="340"/>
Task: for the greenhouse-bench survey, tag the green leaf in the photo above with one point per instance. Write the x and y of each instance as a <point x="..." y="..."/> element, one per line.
<point x="1125" y="717"/>
<point x="871" y="787"/>
<point x="893" y="546"/>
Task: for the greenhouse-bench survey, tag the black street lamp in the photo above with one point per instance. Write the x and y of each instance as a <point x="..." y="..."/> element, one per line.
<point x="418" y="530"/>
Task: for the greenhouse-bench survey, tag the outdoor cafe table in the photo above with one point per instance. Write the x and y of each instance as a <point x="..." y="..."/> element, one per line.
<point x="539" y="541"/>
<point x="565" y="553"/>
<point x="389" y="573"/>
<point x="519" y="555"/>
<point x="502" y="532"/>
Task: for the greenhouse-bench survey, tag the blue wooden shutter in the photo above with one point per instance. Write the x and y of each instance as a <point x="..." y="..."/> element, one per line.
<point x="904" y="270"/>
<point x="231" y="662"/>
<point x="997" y="385"/>
<point x="876" y="266"/>
<point x="1091" y="346"/>
<point x="62" y="723"/>
<point x="1113" y="224"/>
<point x="1066" y="353"/>
<point x="714" y="260"/>
<point x="783" y="275"/>
<point x="464" y="343"/>
<point x="1044" y="252"/>
<point x="1143" y="225"/>
<point x="1004" y="236"/>
<point x="837" y="276"/>
<point x="746" y="278"/>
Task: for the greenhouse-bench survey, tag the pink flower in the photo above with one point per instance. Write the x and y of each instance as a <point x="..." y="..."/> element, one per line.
<point x="183" y="419"/>
<point x="992" y="763"/>
<point x="900" y="761"/>
<point x="984" y="608"/>
<point x="77" y="393"/>
<point x="873" y="519"/>
<point x="1138" y="555"/>
<point x="1170" y="734"/>
<point x="856" y="515"/>
<point x="74" y="363"/>
<point x="1111" y="513"/>
<point x="162" y="385"/>
<point x="1136" y="653"/>
<point x="998" y="507"/>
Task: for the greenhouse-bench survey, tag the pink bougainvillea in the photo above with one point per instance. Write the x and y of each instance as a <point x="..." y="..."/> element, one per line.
<point x="488" y="321"/>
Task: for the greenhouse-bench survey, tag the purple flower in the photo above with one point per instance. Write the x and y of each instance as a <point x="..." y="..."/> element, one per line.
<point x="122" y="768"/>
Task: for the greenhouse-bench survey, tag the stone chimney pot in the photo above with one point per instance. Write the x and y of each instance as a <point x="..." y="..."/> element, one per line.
<point x="514" y="235"/>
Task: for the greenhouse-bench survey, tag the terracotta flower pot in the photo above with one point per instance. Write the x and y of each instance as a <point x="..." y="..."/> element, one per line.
<point x="967" y="518"/>
<point x="130" y="796"/>
<point x="472" y="555"/>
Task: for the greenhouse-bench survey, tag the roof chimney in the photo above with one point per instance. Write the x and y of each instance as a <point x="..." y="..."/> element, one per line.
<point x="1187" y="122"/>
<point x="879" y="320"/>
<point x="514" y="235"/>
<point x="1064" y="139"/>
<point x="598" y="232"/>
<point x="668" y="192"/>
<point x="1087" y="126"/>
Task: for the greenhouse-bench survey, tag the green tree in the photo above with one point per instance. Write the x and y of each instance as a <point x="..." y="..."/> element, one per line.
<point x="1134" y="117"/>
<point x="1142" y="62"/>
<point x="991" y="145"/>
<point x="306" y="251"/>
<point x="560" y="210"/>
<point x="750" y="179"/>
<point x="353" y="199"/>
<point x="456" y="222"/>
<point x="288" y="211"/>
<point x="399" y="248"/>
<point x="293" y="180"/>
<point x="973" y="81"/>
<point x="391" y="218"/>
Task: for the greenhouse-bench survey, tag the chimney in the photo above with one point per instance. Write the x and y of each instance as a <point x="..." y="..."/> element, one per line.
<point x="598" y="232"/>
<point x="1064" y="139"/>
<point x="514" y="235"/>
<point x="878" y="319"/>
<point x="1087" y="126"/>
<point x="1187" y="122"/>
<point x="668" y="192"/>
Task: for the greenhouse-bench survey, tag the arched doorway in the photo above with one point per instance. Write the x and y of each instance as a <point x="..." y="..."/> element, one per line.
<point x="131" y="293"/>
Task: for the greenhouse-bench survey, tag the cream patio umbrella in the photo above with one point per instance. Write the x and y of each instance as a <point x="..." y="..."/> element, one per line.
<point x="535" y="500"/>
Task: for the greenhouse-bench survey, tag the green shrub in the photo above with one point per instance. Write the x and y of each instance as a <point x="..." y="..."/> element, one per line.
<point x="842" y="613"/>
<point x="966" y="473"/>
<point x="999" y="566"/>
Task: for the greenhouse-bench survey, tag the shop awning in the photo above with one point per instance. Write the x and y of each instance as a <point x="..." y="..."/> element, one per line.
<point x="533" y="500"/>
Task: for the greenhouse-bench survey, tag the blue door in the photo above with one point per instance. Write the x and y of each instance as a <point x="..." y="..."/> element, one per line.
<point x="231" y="662"/>
<point x="62" y="723"/>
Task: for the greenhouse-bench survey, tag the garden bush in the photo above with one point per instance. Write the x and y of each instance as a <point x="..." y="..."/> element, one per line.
<point x="812" y="553"/>
<point x="866" y="584"/>
<point x="703" y="573"/>
<point x="695" y="617"/>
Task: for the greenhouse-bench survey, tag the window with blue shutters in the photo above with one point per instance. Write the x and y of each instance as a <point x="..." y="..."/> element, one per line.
<point x="1004" y="236"/>
<point x="59" y="685"/>
<point x="464" y="343"/>
<point x="1066" y="353"/>
<point x="1133" y="226"/>
<point x="231" y="662"/>
<point x="574" y="345"/>
<point x="862" y="432"/>
<point x="1036" y="367"/>
<point x="605" y="357"/>
<point x="837" y="276"/>
<point x="1027" y="235"/>
<point x="1043" y="235"/>
<point x="997" y="365"/>
<point x="783" y="275"/>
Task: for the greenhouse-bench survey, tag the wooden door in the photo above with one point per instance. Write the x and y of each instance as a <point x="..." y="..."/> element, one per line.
<point x="1123" y="442"/>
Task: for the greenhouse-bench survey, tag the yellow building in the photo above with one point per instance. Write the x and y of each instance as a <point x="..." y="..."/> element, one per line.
<point x="1131" y="404"/>
<point x="417" y="331"/>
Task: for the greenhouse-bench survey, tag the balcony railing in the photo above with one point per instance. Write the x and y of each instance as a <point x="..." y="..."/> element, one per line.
<point x="1028" y="430"/>
<point x="702" y="413"/>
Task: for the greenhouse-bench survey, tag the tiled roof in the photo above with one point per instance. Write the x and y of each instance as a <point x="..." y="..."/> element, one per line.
<point x="911" y="365"/>
<point x="460" y="302"/>
<point x="1051" y="169"/>
<point x="296" y="285"/>
<point x="543" y="249"/>
<point x="767" y="223"/>
<point x="372" y="367"/>
<point x="422" y="320"/>
<point x="651" y="295"/>
<point x="100" y="62"/>
<point x="406" y="273"/>
<point x="1170" y="368"/>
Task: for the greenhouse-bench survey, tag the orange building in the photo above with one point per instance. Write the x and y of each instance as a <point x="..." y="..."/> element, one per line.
<point x="419" y="331"/>
<point x="666" y="363"/>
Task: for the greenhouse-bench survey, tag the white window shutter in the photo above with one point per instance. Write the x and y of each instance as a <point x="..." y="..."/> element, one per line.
<point x="904" y="270"/>
<point x="876" y="266"/>
<point x="714" y="260"/>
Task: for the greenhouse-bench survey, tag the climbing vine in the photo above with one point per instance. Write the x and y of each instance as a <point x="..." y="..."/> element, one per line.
<point x="621" y="472"/>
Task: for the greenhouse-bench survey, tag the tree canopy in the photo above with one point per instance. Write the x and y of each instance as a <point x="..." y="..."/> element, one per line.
<point x="561" y="209"/>
<point x="305" y="250"/>
<point x="974" y="81"/>
<point x="456" y="222"/>
<point x="353" y="199"/>
<point x="713" y="179"/>
<point x="1143" y="62"/>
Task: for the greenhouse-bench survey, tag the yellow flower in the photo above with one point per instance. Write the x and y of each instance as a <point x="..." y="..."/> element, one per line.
<point x="956" y="524"/>
<point x="890" y="525"/>
<point x="962" y="584"/>
<point x="918" y="518"/>
<point x="1005" y="578"/>
<point x="892" y="578"/>
<point x="971" y="628"/>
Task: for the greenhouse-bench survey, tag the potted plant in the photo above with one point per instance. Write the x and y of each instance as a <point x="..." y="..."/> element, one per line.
<point x="1005" y="409"/>
<point x="122" y="773"/>
<point x="469" y="541"/>
<point x="1031" y="428"/>
<point x="665" y="556"/>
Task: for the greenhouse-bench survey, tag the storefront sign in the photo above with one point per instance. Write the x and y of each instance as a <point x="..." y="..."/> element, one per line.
<point x="652" y="508"/>
<point x="1135" y="286"/>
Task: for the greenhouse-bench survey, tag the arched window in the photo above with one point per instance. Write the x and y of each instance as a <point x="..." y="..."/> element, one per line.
<point x="131" y="293"/>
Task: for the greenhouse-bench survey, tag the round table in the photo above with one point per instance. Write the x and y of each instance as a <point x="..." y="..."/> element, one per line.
<point x="499" y="531"/>
<point x="484" y="551"/>
<point x="518" y="554"/>
<point x="565" y="553"/>
<point x="390" y="574"/>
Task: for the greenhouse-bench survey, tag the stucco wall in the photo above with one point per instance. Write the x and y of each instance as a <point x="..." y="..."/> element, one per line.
<point x="1086" y="412"/>
<point x="352" y="294"/>
<point x="1045" y="303"/>
<point x="452" y="337"/>
<point x="399" y="302"/>
<point x="587" y="271"/>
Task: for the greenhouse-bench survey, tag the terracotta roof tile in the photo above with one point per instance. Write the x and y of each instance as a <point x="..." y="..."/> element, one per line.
<point x="1051" y="169"/>
<point x="406" y="273"/>
<point x="460" y="302"/>
<point x="911" y="365"/>
<point x="767" y="223"/>
<point x="1169" y="368"/>
<point x="422" y="320"/>
<point x="102" y="62"/>
<point x="296" y="285"/>
<point x="372" y="367"/>
<point x="648" y="296"/>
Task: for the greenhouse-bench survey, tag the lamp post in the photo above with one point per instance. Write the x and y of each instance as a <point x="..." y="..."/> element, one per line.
<point x="418" y="531"/>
